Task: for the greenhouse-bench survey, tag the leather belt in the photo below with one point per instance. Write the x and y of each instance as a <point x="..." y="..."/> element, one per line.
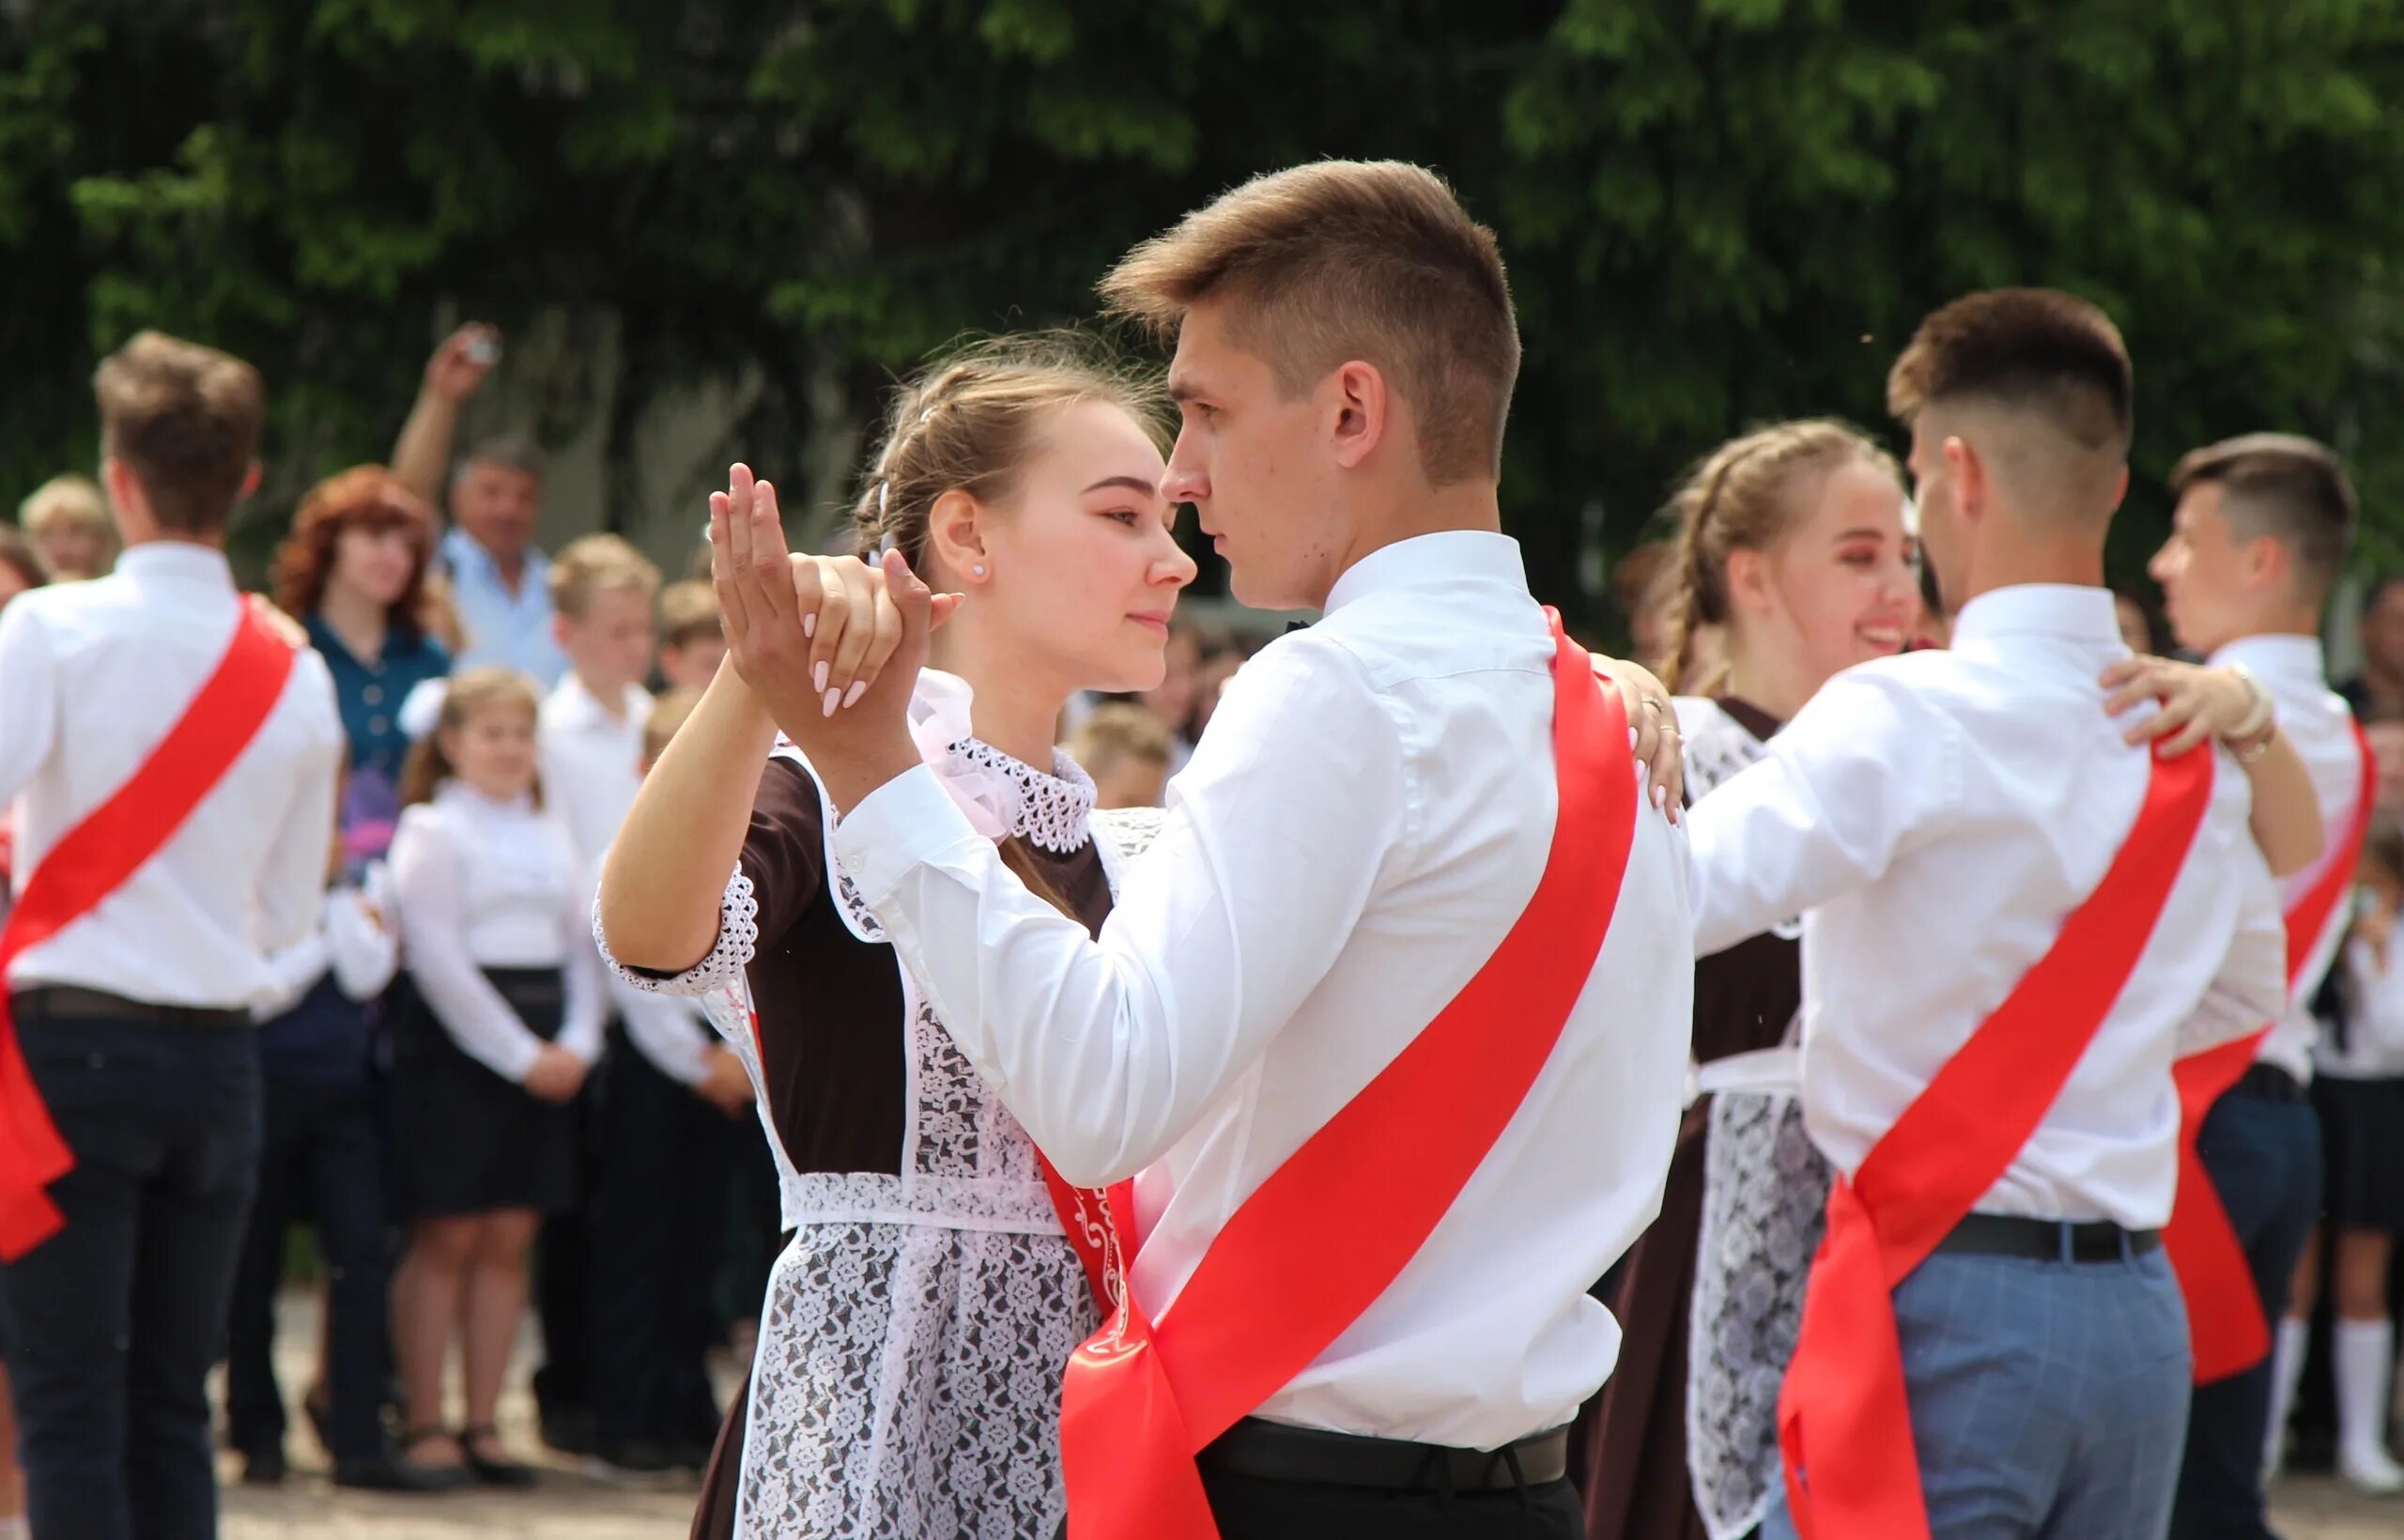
<point x="70" y="1003"/>
<point x="2047" y="1239"/>
<point x="1273" y="1451"/>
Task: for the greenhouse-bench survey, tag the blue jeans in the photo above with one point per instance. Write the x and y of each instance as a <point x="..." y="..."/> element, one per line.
<point x="112" y="1323"/>
<point x="2049" y="1399"/>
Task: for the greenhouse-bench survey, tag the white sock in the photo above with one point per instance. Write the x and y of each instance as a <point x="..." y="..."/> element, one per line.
<point x="2286" y="1371"/>
<point x="2361" y="1356"/>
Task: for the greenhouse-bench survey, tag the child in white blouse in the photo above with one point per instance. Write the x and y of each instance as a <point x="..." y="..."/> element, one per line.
<point x="496" y="1022"/>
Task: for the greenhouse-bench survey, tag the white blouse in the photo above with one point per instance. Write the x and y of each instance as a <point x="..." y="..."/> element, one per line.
<point x="2374" y="1046"/>
<point x="492" y="885"/>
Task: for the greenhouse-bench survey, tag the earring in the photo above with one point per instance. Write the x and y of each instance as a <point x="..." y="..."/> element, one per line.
<point x="977" y="571"/>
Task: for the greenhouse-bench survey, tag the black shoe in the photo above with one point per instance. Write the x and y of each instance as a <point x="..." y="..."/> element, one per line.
<point x="391" y="1473"/>
<point x="637" y="1462"/>
<point x="494" y="1472"/>
<point x="570" y="1430"/>
<point x="265" y="1467"/>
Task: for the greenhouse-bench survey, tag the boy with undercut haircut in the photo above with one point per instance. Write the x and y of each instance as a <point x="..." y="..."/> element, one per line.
<point x="2263" y="529"/>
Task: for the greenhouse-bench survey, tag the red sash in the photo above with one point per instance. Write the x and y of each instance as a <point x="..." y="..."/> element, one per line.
<point x="1844" y="1424"/>
<point x="1361" y="1195"/>
<point x="2224" y="1322"/>
<point x="90" y="862"/>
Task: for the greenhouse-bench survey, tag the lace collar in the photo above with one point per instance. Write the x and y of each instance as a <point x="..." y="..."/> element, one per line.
<point x="1051" y="811"/>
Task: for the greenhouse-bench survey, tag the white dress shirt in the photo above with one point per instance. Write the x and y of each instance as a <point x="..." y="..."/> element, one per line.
<point x="592" y="762"/>
<point x="92" y="676"/>
<point x="2318" y="723"/>
<point x="1361" y="824"/>
<point x="1936" y="817"/>
<point x="354" y="941"/>
<point x="490" y="885"/>
<point x="2374" y="1047"/>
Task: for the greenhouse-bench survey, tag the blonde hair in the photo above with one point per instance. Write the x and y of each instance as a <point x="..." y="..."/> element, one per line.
<point x="967" y="424"/>
<point x="464" y="693"/>
<point x="669" y="714"/>
<point x="689" y="613"/>
<point x="1374" y="260"/>
<point x="1745" y="495"/>
<point x="1119" y="730"/>
<point x="597" y="565"/>
<point x="66" y="498"/>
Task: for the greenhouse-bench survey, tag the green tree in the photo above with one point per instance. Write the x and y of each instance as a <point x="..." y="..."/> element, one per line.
<point x="1716" y="211"/>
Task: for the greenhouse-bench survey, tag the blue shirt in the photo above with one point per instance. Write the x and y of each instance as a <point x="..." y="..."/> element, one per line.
<point x="370" y="695"/>
<point x="512" y="628"/>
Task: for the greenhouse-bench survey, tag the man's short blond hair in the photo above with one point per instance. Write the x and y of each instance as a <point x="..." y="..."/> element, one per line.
<point x="598" y="563"/>
<point x="689" y="613"/>
<point x="2036" y="350"/>
<point x="186" y="419"/>
<point x="1322" y="264"/>
<point x="1117" y="732"/>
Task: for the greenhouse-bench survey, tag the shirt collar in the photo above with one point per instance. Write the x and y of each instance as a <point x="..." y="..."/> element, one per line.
<point x="460" y="795"/>
<point x="2294" y="663"/>
<point x="576" y="706"/>
<point x="1444" y="558"/>
<point x="2066" y="611"/>
<point x="176" y="562"/>
<point x="463" y="552"/>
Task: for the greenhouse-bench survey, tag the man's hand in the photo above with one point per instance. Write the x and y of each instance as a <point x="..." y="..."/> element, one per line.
<point x="457" y="369"/>
<point x="725" y="1085"/>
<point x="556" y="1075"/>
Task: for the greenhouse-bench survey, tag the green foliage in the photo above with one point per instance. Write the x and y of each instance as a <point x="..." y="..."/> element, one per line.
<point x="1716" y="211"/>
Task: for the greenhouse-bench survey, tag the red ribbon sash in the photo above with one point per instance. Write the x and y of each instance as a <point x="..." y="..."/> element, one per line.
<point x="1844" y="1424"/>
<point x="1141" y="1398"/>
<point x="94" y="859"/>
<point x="2224" y="1323"/>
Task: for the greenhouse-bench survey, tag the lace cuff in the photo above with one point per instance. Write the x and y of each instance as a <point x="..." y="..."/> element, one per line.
<point x="738" y="938"/>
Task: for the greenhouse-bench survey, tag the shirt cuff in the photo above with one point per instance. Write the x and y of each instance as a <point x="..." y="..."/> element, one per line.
<point x="907" y="823"/>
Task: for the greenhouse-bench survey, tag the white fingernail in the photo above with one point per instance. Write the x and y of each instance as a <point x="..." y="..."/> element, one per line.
<point x="809" y="624"/>
<point x="818" y="676"/>
<point x="1660" y="796"/>
<point x="1631" y="737"/>
<point x="852" y="695"/>
<point x="834" y="698"/>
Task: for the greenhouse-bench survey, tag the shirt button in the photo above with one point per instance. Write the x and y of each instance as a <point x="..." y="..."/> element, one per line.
<point x="378" y="725"/>
<point x="373" y="695"/>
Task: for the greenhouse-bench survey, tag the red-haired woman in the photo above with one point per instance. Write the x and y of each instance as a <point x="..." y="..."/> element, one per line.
<point x="353" y="572"/>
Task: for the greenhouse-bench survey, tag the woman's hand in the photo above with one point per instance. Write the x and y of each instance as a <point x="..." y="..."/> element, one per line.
<point x="1652" y="725"/>
<point x="556" y="1075"/>
<point x="2197" y="702"/>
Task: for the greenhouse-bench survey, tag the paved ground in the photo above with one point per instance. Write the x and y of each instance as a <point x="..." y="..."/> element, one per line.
<point x="307" y="1506"/>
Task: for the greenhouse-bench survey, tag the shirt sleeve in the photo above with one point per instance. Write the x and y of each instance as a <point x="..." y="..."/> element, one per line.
<point x="584" y="1012"/>
<point x="427" y="871"/>
<point x="1860" y="772"/>
<point x="1109" y="1049"/>
<point x="2251" y="987"/>
<point x="28" y="699"/>
<point x="363" y="949"/>
<point x="292" y="884"/>
<point x="668" y="1032"/>
<point x="291" y="971"/>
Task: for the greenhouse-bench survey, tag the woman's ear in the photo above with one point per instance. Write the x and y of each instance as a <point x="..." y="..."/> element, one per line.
<point x="956" y="539"/>
<point x="1747" y="583"/>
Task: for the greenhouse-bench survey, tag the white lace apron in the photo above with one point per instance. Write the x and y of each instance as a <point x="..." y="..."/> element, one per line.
<point x="907" y="1381"/>
<point x="1764" y="1194"/>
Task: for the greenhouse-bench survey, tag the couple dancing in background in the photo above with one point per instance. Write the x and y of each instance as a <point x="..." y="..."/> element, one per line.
<point x="1297" y="1119"/>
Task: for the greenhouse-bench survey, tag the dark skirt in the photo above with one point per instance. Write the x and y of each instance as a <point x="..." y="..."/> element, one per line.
<point x="470" y="1141"/>
<point x="1627" y="1450"/>
<point x="2362" y="1142"/>
<point x="714" y="1516"/>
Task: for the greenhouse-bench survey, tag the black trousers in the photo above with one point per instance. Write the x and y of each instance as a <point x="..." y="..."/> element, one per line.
<point x="112" y="1323"/>
<point x="1256" y="1508"/>
<point x="563" y="1289"/>
<point x="2264" y="1159"/>
<point x="322" y="1162"/>
<point x="663" y="1175"/>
